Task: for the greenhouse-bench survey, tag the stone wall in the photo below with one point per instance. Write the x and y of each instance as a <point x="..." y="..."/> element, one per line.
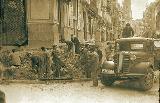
<point x="42" y="25"/>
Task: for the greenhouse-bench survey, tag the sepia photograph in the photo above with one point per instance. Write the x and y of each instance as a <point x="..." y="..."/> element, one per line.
<point x="79" y="51"/>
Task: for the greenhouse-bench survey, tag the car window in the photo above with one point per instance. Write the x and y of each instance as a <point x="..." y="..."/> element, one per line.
<point x="123" y="46"/>
<point x="136" y="46"/>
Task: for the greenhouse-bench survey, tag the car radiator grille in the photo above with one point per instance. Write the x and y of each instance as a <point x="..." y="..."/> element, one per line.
<point x="125" y="63"/>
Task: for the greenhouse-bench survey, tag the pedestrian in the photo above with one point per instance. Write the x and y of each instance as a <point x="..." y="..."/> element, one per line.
<point x="2" y="70"/>
<point x="84" y="61"/>
<point x="100" y="55"/>
<point x="15" y="58"/>
<point x="99" y="52"/>
<point x="108" y="50"/>
<point x="128" y="31"/>
<point x="57" y="64"/>
<point x="44" y="66"/>
<point x="69" y="45"/>
<point x="94" y="63"/>
<point x="35" y="62"/>
<point x="76" y="43"/>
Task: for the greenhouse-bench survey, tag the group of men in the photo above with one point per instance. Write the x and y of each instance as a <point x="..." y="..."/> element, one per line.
<point x="90" y="55"/>
<point x="73" y="45"/>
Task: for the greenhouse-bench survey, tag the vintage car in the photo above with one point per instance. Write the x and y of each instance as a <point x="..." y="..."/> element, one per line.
<point x="135" y="58"/>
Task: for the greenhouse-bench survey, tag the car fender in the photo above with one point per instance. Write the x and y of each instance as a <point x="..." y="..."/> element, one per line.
<point x="109" y="65"/>
<point x="141" y="67"/>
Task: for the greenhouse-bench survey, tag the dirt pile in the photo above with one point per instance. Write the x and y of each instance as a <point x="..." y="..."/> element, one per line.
<point x="26" y="71"/>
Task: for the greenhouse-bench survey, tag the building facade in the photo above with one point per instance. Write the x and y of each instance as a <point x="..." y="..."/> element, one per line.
<point x="151" y="20"/>
<point x="59" y="19"/>
<point x="127" y="12"/>
<point x="48" y="22"/>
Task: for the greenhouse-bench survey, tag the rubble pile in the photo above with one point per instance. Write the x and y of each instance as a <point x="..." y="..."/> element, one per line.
<point x="73" y="66"/>
<point x="5" y="58"/>
<point x="25" y="71"/>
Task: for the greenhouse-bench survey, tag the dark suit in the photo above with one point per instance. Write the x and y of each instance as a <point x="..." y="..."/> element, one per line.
<point x="128" y="32"/>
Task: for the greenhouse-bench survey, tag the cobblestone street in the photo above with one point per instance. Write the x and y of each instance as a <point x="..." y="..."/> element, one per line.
<point x="78" y="92"/>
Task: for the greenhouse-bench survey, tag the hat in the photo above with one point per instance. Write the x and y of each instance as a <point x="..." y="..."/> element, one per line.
<point x="127" y="24"/>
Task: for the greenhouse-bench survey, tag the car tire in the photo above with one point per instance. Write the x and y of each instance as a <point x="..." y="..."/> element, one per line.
<point x="107" y="81"/>
<point x="147" y="81"/>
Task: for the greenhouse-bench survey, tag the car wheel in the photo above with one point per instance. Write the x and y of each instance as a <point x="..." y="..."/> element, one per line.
<point x="147" y="81"/>
<point x="107" y="81"/>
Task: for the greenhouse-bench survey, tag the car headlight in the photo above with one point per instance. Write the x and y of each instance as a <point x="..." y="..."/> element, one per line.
<point x="132" y="57"/>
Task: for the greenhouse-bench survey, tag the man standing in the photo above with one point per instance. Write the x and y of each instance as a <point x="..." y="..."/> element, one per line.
<point x="57" y="64"/>
<point x="15" y="58"/>
<point x="108" y="50"/>
<point x="76" y="44"/>
<point x="2" y="69"/>
<point x="84" y="61"/>
<point x="94" y="64"/>
<point x="100" y="55"/>
<point x="44" y="63"/>
<point x="99" y="52"/>
<point x="69" y="45"/>
<point x="128" y="31"/>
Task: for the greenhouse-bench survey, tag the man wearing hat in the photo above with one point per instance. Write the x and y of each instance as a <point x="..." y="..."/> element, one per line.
<point x="128" y="31"/>
<point x="94" y="64"/>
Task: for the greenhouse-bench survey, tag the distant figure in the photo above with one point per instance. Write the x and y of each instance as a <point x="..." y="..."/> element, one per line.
<point x="128" y="31"/>
<point x="69" y="45"/>
<point x="2" y="69"/>
<point x="108" y="50"/>
<point x="57" y="64"/>
<point x="99" y="52"/>
<point x="44" y="63"/>
<point x="100" y="55"/>
<point x="84" y="61"/>
<point x="76" y="44"/>
<point x="94" y="65"/>
<point x="15" y="58"/>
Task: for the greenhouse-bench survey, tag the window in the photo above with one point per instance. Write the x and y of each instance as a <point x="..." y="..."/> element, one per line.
<point x="130" y="46"/>
<point x="136" y="46"/>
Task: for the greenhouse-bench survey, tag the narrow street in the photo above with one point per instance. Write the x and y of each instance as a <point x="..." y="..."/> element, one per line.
<point x="50" y="50"/>
<point x="77" y="92"/>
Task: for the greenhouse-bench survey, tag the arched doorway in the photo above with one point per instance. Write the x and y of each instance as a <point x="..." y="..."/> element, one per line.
<point x="13" y="22"/>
